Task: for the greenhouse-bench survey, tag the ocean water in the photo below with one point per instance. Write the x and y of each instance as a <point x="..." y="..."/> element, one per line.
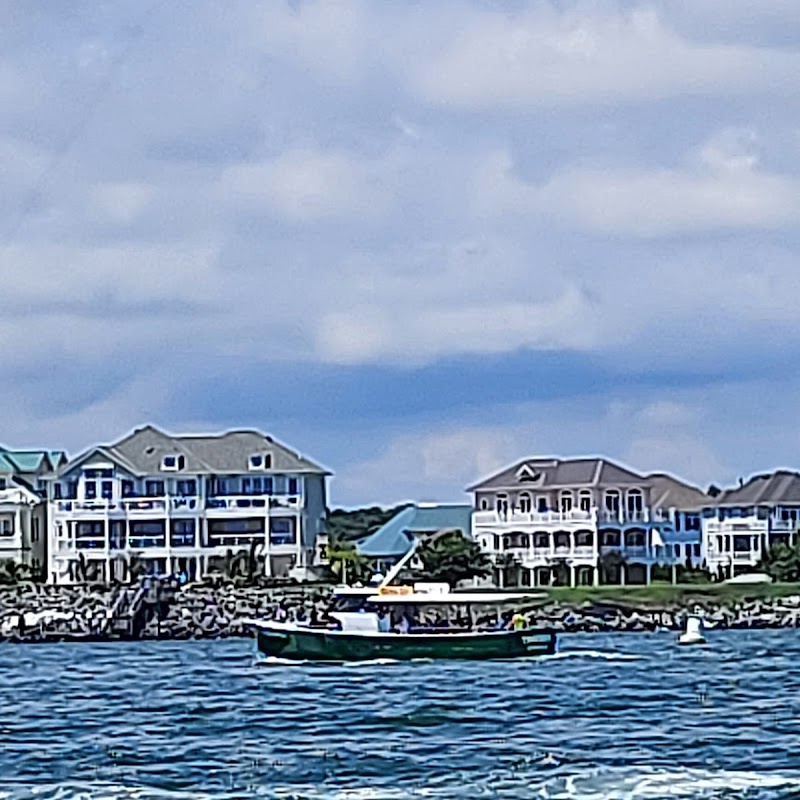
<point x="610" y="716"/>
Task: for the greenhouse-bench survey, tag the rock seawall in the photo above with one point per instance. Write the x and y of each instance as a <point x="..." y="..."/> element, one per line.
<point x="31" y="612"/>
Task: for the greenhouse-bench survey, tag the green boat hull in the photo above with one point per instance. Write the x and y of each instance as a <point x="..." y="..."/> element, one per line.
<point x="326" y="645"/>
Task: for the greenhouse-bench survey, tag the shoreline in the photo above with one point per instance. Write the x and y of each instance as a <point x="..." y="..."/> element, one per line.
<point x="31" y="613"/>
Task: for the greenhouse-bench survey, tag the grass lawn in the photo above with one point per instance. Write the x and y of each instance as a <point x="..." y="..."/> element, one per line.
<point x="667" y="594"/>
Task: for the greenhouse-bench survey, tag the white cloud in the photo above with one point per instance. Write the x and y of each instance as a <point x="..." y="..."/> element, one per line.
<point x="433" y="466"/>
<point x="304" y="185"/>
<point x="122" y="202"/>
<point x="726" y="192"/>
<point x="488" y="60"/>
<point x="422" y="332"/>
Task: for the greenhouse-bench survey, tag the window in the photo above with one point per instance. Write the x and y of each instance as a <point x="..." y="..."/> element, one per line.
<point x="269" y="486"/>
<point x="173" y="463"/>
<point x="89" y="536"/>
<point x="260" y="461"/>
<point x="117" y="534"/>
<point x="90" y="490"/>
<point x="282" y="531"/>
<point x="3" y="483"/>
<point x="94" y="474"/>
<point x="696" y="549"/>
<point x="72" y="490"/>
<point x="677" y="551"/>
<point x="127" y="488"/>
<point x="566" y="501"/>
<point x="56" y="491"/>
<point x="235" y="531"/>
<point x="541" y="505"/>
<point x="484" y="504"/>
<point x="612" y="501"/>
<point x="107" y="490"/>
<point x="292" y="489"/>
<point x="183" y="533"/>
<point x="585" y="501"/>
<point x="154" y="488"/>
<point x="187" y="488"/>
<point x="148" y="533"/>
<point x="6" y="527"/>
<point x="635" y="502"/>
<point x="525" y="503"/>
<point x="247" y="486"/>
<point x="501" y="504"/>
<point x="217" y="487"/>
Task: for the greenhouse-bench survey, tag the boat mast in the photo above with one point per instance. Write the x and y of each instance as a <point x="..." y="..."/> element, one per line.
<point x="395" y="570"/>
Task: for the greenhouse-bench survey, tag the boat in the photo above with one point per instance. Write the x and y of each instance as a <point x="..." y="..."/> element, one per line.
<point x="693" y="634"/>
<point x="366" y="624"/>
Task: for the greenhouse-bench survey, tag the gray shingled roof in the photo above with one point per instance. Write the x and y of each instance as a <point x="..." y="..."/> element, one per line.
<point x="669" y="492"/>
<point x="557" y="472"/>
<point x="142" y="451"/>
<point x="772" y="488"/>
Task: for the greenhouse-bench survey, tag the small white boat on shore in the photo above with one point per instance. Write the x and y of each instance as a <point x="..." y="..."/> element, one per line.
<point x="693" y="633"/>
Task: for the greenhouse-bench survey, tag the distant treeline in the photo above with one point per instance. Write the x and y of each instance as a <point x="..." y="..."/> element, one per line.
<point x="348" y="525"/>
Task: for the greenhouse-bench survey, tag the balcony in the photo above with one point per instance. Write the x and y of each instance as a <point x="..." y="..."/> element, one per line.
<point x="239" y="502"/>
<point x="88" y="507"/>
<point x="145" y="505"/>
<point x="747" y="525"/>
<point x="551" y="518"/>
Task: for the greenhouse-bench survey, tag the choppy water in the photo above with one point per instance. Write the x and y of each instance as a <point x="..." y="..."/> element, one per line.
<point x="617" y="716"/>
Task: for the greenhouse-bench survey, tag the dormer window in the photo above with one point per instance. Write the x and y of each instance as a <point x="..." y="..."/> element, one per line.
<point x="173" y="463"/>
<point x="260" y="461"/>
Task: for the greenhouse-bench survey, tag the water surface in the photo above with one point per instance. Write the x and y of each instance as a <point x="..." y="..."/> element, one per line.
<point x="611" y="716"/>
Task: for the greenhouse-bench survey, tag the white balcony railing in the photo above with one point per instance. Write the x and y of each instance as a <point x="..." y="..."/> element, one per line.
<point x="533" y="517"/>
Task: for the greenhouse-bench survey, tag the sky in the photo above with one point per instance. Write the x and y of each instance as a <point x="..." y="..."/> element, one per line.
<point x="416" y="241"/>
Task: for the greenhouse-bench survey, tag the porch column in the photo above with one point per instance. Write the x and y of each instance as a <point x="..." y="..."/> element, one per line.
<point x="572" y="575"/>
<point x="649" y="573"/>
<point x="595" y="576"/>
<point x="622" y="575"/>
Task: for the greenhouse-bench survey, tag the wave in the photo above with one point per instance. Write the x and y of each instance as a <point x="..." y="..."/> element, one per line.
<point x="644" y="782"/>
<point x="622" y="783"/>
<point x="606" y="655"/>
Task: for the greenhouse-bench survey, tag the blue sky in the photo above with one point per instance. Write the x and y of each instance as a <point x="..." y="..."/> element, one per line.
<point x="414" y="240"/>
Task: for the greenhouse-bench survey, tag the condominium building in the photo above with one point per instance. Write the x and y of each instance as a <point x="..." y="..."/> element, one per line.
<point x="184" y="504"/>
<point x="743" y="523"/>
<point x="23" y="509"/>
<point x="556" y="519"/>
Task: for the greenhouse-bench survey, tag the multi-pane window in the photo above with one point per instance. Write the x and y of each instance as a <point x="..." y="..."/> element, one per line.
<point x="154" y="488"/>
<point x="282" y="531"/>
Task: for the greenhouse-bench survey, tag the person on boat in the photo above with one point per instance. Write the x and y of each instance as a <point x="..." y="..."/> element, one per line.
<point x="518" y="622"/>
<point x="403" y="625"/>
<point x="384" y="623"/>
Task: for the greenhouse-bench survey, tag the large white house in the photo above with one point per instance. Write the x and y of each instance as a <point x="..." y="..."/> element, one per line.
<point x="556" y="519"/>
<point x="23" y="509"/>
<point x="744" y="522"/>
<point x="184" y="504"/>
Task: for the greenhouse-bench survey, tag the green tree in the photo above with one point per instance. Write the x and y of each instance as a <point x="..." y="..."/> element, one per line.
<point x="348" y="525"/>
<point x="508" y="568"/>
<point x="347" y="564"/>
<point x="782" y="563"/>
<point x="612" y="568"/>
<point x="450" y="557"/>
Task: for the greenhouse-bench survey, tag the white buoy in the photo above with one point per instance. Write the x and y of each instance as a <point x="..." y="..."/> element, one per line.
<point x="693" y="633"/>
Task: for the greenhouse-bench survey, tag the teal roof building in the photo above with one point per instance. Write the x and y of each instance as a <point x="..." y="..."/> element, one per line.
<point x="393" y="539"/>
